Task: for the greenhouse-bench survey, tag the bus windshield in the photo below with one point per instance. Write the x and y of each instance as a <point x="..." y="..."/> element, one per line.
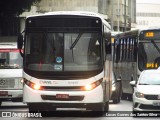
<point x="10" y="59"/>
<point x="148" y="55"/>
<point x="52" y="51"/>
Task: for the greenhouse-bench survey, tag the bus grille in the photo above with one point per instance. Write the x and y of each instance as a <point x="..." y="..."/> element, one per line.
<point x="7" y="83"/>
<point x="51" y="88"/>
<point x="71" y="98"/>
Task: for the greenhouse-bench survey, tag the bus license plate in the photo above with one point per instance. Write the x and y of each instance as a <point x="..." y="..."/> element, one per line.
<point x="3" y="93"/>
<point x="156" y="103"/>
<point x="62" y="96"/>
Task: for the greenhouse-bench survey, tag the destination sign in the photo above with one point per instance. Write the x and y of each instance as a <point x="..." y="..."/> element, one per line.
<point x="150" y="35"/>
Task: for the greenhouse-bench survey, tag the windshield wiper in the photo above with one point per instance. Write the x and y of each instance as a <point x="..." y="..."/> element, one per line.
<point x="75" y="42"/>
<point x="155" y="46"/>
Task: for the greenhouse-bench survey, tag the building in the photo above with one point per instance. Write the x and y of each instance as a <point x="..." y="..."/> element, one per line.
<point x="122" y="16"/>
<point x="150" y="17"/>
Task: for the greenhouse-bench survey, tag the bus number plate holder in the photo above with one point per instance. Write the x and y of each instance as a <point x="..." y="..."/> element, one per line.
<point x="62" y="96"/>
<point x="3" y="93"/>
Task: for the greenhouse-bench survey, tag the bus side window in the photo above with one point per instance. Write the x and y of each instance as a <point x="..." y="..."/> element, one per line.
<point x="108" y="47"/>
<point x="121" y="49"/>
<point x="135" y="51"/>
<point x="125" y="50"/>
<point x="131" y="49"/>
<point x="128" y="47"/>
<point x="117" y="50"/>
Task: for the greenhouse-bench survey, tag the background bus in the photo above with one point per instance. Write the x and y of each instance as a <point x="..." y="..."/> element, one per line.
<point x="116" y="83"/>
<point x="134" y="52"/>
<point x="10" y="71"/>
<point x="65" y="61"/>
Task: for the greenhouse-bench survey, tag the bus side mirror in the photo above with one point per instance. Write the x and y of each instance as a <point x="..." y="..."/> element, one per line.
<point x="108" y="46"/>
<point x="117" y="52"/>
<point x="133" y="83"/>
<point x="20" y="43"/>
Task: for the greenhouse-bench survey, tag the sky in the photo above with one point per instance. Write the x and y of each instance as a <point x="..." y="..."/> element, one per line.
<point x="148" y="1"/>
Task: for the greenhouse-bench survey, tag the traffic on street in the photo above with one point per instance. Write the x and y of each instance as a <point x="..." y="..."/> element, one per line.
<point x="81" y="59"/>
<point x="121" y="111"/>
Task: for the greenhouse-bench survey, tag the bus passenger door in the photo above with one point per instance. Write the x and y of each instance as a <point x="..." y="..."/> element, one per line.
<point x="108" y="65"/>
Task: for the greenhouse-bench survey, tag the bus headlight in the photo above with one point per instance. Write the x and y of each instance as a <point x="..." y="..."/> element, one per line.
<point x="113" y="87"/>
<point x="33" y="85"/>
<point x="36" y="87"/>
<point x="92" y="86"/>
<point x="22" y="81"/>
<point x="88" y="87"/>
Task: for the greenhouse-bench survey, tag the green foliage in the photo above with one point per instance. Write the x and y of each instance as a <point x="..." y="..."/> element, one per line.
<point x="10" y="8"/>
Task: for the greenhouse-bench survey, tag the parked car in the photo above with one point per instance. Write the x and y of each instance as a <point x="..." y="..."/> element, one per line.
<point x="146" y="96"/>
<point x="116" y="90"/>
<point x="11" y="63"/>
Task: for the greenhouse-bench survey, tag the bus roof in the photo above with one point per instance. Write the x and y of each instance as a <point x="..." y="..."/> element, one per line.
<point x="136" y="32"/>
<point x="114" y="33"/>
<point x="128" y="33"/>
<point x="79" y="13"/>
<point x="74" y="13"/>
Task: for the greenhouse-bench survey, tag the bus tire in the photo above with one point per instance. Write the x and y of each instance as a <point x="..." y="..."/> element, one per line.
<point x="115" y="101"/>
<point x="106" y="106"/>
<point x="95" y="107"/>
<point x="41" y="108"/>
<point x="101" y="109"/>
<point x="33" y="108"/>
<point x="124" y="96"/>
<point x="0" y="103"/>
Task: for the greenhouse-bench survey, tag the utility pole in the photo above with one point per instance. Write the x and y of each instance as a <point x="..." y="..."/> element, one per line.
<point x="112" y="22"/>
<point x="118" y="15"/>
<point x="125" y="16"/>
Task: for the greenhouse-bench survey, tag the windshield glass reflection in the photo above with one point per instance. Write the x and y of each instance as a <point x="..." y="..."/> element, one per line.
<point x="148" y="55"/>
<point x="63" y="51"/>
<point x="10" y="59"/>
<point x="150" y="79"/>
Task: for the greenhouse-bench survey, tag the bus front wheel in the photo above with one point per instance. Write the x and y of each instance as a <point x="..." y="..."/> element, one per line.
<point x="33" y="108"/>
<point x="38" y="107"/>
<point x="0" y="103"/>
<point x="99" y="108"/>
<point x="106" y="107"/>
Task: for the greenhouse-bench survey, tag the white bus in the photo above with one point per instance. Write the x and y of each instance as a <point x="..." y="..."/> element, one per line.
<point x="67" y="61"/>
<point x="10" y="72"/>
<point x="135" y="51"/>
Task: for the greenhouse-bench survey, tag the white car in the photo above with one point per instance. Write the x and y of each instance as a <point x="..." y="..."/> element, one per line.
<point x="146" y="96"/>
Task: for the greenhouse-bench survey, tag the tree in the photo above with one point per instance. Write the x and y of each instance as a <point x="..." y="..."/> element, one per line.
<point x="13" y="8"/>
<point x="9" y="12"/>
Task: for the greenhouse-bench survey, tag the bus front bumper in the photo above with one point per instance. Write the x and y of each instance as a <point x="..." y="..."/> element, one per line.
<point x="11" y="95"/>
<point x="82" y="97"/>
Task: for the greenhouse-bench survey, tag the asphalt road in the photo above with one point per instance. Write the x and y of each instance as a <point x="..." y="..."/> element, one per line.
<point x="121" y="111"/>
